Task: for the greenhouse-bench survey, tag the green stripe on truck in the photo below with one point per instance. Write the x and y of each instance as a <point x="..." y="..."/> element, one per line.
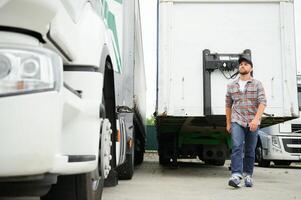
<point x="111" y="22"/>
<point x="112" y="26"/>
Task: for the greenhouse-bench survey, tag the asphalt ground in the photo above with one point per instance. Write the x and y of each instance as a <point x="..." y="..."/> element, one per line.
<point x="193" y="180"/>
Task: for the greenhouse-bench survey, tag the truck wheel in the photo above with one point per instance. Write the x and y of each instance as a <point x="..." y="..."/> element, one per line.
<point x="126" y="170"/>
<point x="259" y="157"/>
<point x="139" y="142"/>
<point x="282" y="162"/>
<point x="171" y="162"/>
<point x="105" y="149"/>
<point x="163" y="160"/>
<point x="139" y="151"/>
<point x="76" y="187"/>
<point x="139" y="157"/>
<point x="167" y="149"/>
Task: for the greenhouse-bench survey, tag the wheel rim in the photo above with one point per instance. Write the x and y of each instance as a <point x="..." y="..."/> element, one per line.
<point x="105" y="150"/>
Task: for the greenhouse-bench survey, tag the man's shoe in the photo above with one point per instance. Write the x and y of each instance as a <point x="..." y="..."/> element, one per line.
<point x="234" y="181"/>
<point x="248" y="181"/>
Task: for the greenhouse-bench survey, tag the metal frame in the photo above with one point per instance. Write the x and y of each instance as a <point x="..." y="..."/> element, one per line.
<point x="207" y="76"/>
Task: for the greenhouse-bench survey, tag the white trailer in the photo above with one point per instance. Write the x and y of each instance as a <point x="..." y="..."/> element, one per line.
<point x="280" y="143"/>
<point x="200" y="42"/>
<point x="72" y="96"/>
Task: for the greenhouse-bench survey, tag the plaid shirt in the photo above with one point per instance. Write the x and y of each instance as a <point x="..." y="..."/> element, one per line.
<point x="245" y="104"/>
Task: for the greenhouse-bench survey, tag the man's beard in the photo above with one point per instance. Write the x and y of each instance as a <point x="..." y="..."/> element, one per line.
<point x="243" y="72"/>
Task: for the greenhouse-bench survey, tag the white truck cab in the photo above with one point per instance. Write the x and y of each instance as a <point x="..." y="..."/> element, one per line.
<point x="71" y="96"/>
<point x="281" y="143"/>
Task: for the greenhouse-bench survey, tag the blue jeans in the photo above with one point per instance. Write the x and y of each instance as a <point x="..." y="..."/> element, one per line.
<point x="243" y="142"/>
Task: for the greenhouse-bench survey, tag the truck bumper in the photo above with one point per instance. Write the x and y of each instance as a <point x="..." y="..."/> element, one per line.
<point x="48" y="132"/>
<point x="30" y="126"/>
<point x="278" y="154"/>
<point x="284" y="152"/>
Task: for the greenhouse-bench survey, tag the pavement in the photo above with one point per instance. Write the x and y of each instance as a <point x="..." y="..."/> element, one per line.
<point x="193" y="180"/>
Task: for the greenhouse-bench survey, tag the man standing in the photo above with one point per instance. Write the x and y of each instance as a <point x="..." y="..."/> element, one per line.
<point x="245" y="104"/>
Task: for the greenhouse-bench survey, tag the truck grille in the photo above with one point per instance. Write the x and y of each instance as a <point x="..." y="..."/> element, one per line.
<point x="296" y="127"/>
<point x="287" y="142"/>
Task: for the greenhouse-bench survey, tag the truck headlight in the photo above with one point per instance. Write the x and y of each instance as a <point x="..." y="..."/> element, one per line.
<point x="29" y="70"/>
<point x="5" y="66"/>
<point x="276" y="142"/>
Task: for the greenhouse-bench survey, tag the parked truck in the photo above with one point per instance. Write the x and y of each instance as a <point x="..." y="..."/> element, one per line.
<point x="200" y="42"/>
<point x="280" y="143"/>
<point x="72" y="96"/>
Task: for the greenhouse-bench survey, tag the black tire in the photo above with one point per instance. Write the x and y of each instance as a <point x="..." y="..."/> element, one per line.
<point x="282" y="162"/>
<point x="171" y="162"/>
<point x="126" y="170"/>
<point x="75" y="187"/>
<point x="215" y="162"/>
<point x="167" y="149"/>
<point x="163" y="160"/>
<point x="139" y="157"/>
<point x="139" y="142"/>
<point x="139" y="152"/>
<point x="259" y="157"/>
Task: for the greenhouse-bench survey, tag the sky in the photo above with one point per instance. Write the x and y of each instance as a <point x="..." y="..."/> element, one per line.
<point x="148" y="9"/>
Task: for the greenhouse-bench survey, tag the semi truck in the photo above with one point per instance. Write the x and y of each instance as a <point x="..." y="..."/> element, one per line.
<point x="280" y="143"/>
<point x="199" y="44"/>
<point x="72" y="96"/>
